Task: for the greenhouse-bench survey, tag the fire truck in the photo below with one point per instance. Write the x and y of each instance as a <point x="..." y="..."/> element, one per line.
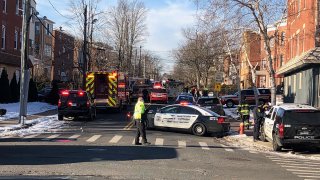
<point x="109" y="89"/>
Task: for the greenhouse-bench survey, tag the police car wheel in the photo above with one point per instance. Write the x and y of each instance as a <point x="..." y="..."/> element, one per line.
<point x="199" y="129"/>
<point x="275" y="144"/>
<point x="263" y="135"/>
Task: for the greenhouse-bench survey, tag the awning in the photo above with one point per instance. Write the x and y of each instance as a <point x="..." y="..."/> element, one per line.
<point x="310" y="57"/>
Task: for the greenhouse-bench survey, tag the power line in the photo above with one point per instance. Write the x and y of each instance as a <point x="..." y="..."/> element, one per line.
<point x="58" y="11"/>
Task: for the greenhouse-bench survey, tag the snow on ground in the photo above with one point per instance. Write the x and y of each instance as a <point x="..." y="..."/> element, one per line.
<point x="39" y="125"/>
<point x="33" y="108"/>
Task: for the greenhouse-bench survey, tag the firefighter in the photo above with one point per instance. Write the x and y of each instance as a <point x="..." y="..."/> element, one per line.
<point x="140" y="118"/>
<point x="258" y="114"/>
<point x="244" y="111"/>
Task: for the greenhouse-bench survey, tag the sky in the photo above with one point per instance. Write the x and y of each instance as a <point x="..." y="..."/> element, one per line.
<point x="165" y="20"/>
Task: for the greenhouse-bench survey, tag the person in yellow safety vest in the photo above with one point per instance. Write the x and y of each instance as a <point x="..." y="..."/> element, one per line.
<point x="244" y="111"/>
<point x="140" y="118"/>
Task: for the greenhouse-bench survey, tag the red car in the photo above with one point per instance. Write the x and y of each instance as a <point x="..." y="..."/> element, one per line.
<point x="159" y="95"/>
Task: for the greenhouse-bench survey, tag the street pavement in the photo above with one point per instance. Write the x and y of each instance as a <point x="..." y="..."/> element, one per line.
<point x="103" y="149"/>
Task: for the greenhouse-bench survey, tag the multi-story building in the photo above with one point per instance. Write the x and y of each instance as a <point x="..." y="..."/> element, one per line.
<point x="11" y="35"/>
<point x="64" y="46"/>
<point x="251" y="51"/>
<point x="43" y="69"/>
<point x="301" y="70"/>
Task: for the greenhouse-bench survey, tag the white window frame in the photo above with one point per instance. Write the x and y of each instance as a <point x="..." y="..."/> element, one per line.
<point x="16" y="34"/>
<point x="3" y="37"/>
<point x="286" y="86"/>
<point x="298" y="45"/>
<point x="300" y="80"/>
<point x="294" y="83"/>
<point x="5" y="6"/>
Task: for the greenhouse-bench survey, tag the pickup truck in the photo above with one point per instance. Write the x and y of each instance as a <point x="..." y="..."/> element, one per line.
<point x="264" y="95"/>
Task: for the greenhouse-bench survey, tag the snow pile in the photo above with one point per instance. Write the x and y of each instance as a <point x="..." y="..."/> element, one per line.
<point x="39" y="125"/>
<point x="33" y="108"/>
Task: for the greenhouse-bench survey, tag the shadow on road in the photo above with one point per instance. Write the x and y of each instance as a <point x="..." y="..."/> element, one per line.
<point x="46" y="155"/>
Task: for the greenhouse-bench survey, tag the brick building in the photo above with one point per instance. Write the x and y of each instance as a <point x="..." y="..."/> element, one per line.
<point x="64" y="46"/>
<point x="11" y="33"/>
<point x="301" y="70"/>
<point x="251" y="42"/>
<point x="43" y="69"/>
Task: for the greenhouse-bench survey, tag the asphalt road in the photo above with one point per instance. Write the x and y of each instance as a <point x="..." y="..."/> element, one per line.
<point x="103" y="149"/>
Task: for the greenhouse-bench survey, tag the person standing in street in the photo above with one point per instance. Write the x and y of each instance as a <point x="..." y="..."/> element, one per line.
<point x="258" y="114"/>
<point x="140" y="118"/>
<point x="244" y="111"/>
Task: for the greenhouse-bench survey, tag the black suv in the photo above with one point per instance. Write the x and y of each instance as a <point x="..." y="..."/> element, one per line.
<point x="76" y="103"/>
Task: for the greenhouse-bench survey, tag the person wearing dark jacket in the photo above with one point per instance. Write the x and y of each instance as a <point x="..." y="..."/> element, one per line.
<point x="258" y="115"/>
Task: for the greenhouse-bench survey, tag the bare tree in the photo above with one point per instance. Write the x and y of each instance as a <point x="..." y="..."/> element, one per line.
<point x="127" y="27"/>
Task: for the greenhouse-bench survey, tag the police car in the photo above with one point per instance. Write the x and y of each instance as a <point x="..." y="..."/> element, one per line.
<point x="289" y="125"/>
<point x="198" y="120"/>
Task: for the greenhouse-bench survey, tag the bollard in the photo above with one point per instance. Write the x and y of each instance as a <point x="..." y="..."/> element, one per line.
<point x="241" y="129"/>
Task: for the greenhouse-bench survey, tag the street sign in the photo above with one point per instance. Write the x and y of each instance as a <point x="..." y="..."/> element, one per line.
<point x="218" y="77"/>
<point x="217" y="87"/>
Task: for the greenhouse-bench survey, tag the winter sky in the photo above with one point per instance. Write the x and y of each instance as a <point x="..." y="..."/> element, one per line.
<point x="165" y="20"/>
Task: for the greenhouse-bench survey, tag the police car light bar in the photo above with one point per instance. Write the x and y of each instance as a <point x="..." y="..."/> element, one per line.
<point x="185" y="103"/>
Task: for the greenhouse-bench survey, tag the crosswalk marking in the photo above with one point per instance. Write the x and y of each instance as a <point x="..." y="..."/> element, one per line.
<point x="305" y="173"/>
<point x="74" y="136"/>
<point x="302" y="170"/>
<point x="317" y="177"/>
<point x="204" y="145"/>
<point x="182" y="144"/>
<point x="51" y="137"/>
<point x="159" y="142"/>
<point x="93" y="138"/>
<point x="115" y="139"/>
<point x="253" y="152"/>
<point x="285" y="161"/>
<point x="31" y="136"/>
<point x="296" y="164"/>
<point x="226" y="148"/>
<point x="300" y="167"/>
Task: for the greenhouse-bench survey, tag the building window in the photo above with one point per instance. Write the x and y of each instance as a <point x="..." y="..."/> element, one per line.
<point x="262" y="81"/>
<point x="304" y="37"/>
<point x="47" y="50"/>
<point x="17" y="7"/>
<point x="298" y="45"/>
<point x="3" y="37"/>
<point x="264" y="64"/>
<point x="281" y="60"/>
<point x="49" y="29"/>
<point x="16" y="35"/>
<point x="300" y="80"/>
<point x="4" y="6"/>
<point x="286" y="86"/>
<point x="283" y="34"/>
<point x="37" y="29"/>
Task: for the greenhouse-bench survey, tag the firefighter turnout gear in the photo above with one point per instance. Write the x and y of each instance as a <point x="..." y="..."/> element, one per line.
<point x="140" y="118"/>
<point x="244" y="111"/>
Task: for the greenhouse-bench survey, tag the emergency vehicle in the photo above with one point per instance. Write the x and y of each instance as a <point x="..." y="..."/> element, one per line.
<point x="109" y="89"/>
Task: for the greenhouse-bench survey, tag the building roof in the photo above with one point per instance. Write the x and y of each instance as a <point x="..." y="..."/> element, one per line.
<point x="310" y="57"/>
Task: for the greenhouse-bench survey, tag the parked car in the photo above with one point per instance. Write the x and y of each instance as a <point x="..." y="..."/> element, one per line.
<point x="76" y="103"/>
<point x="288" y="125"/>
<point x="159" y="95"/>
<point x="197" y="120"/>
<point x="185" y="99"/>
<point x="44" y="93"/>
<point x="212" y="103"/>
<point x="264" y="95"/>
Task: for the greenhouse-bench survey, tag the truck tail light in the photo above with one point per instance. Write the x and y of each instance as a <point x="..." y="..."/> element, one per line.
<point x="65" y="93"/>
<point x="281" y="130"/>
<point x="59" y="103"/>
<point x="80" y="93"/>
<point x="69" y="103"/>
<point x="220" y="120"/>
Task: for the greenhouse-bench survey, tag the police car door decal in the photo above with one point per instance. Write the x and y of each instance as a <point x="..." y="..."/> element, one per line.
<point x="185" y="121"/>
<point x="158" y="119"/>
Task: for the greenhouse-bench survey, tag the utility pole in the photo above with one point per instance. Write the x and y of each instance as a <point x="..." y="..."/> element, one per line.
<point x="84" y="53"/>
<point x="24" y="78"/>
<point x="144" y="66"/>
<point x="135" y="63"/>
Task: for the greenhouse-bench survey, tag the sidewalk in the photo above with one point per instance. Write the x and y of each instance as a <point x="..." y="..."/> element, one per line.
<point x="13" y="123"/>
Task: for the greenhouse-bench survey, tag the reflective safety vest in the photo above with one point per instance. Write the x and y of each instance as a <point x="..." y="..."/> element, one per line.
<point x="138" y="110"/>
<point x="244" y="109"/>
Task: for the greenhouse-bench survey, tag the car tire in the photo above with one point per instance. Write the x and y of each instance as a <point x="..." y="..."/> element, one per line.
<point x="60" y="117"/>
<point x="275" y="145"/>
<point x="229" y="104"/>
<point x="199" y="129"/>
<point x="263" y="135"/>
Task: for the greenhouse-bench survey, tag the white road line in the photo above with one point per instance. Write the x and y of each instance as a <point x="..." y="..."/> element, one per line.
<point x="159" y="142"/>
<point x="302" y="170"/>
<point x="182" y="144"/>
<point x="253" y="152"/>
<point x="74" y="136"/>
<point x="301" y="167"/>
<point x="288" y="159"/>
<point x="115" y="139"/>
<point x="31" y="136"/>
<point x="93" y="138"/>
<point x="226" y="148"/>
<point x="51" y="137"/>
<point x="284" y="161"/>
<point x="298" y="164"/>
<point x="204" y="145"/>
<point x="310" y="173"/>
<point x="6" y="137"/>
<point x="317" y="177"/>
